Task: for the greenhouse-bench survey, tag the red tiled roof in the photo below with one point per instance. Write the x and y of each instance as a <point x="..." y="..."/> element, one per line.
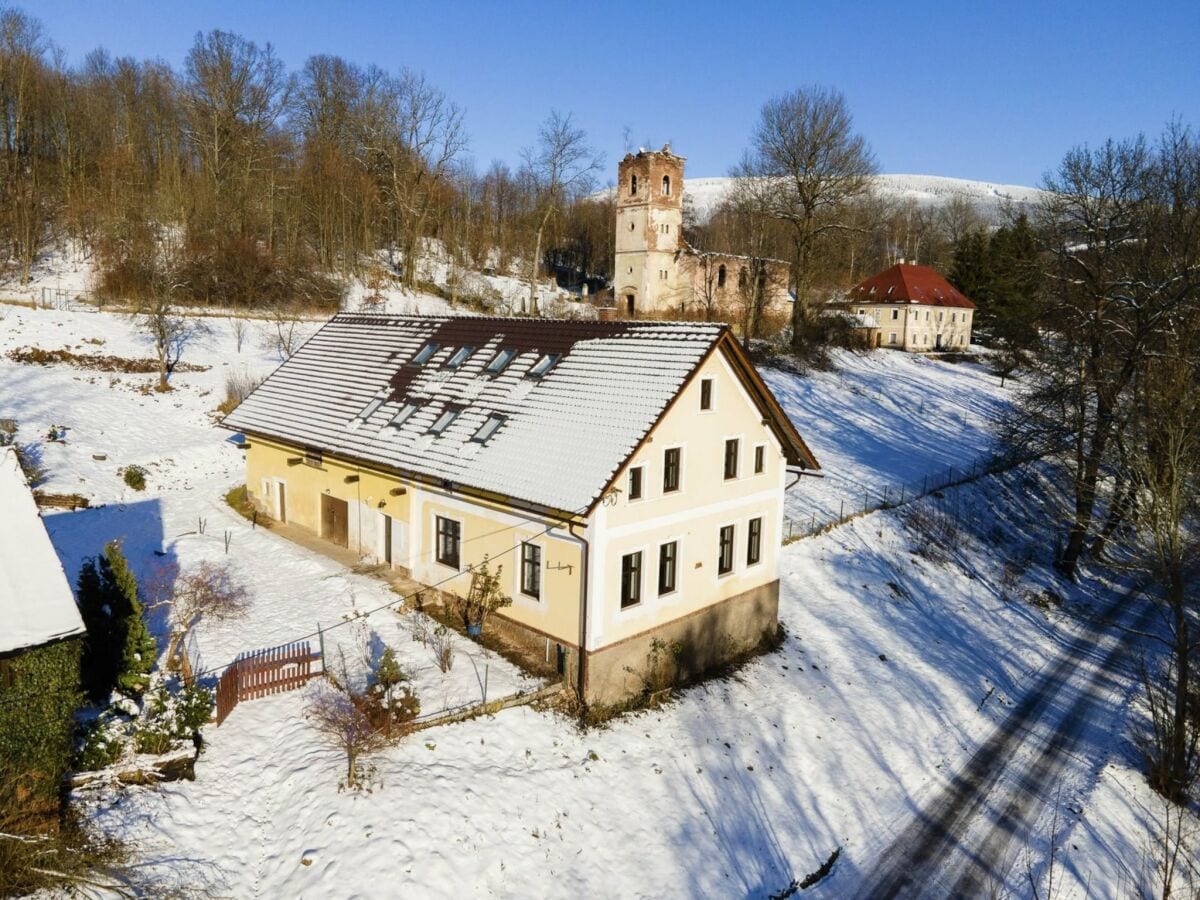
<point x="909" y="284"/>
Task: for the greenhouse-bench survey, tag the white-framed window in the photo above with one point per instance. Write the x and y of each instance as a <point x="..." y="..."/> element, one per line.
<point x="706" y="394"/>
<point x="531" y="570"/>
<point x="635" y="482"/>
<point x="760" y="458"/>
<point x="892" y="338"/>
<point x="448" y="549"/>
<point x="725" y="539"/>
<point x="895" y="314"/>
<point x="668" y="567"/>
<point x="631" y="579"/>
<point x="672" y="469"/>
<point x="754" y="541"/>
<point x="732" y="453"/>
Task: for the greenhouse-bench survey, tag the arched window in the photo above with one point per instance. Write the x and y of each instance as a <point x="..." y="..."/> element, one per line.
<point x="721" y="275"/>
<point x="632" y="185"/>
<point x="742" y="278"/>
<point x="666" y="187"/>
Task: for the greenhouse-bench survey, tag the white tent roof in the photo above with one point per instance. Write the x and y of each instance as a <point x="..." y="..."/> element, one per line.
<point x="36" y="602"/>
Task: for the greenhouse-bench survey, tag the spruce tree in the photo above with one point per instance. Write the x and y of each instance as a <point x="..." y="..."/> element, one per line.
<point x="138" y="647"/>
<point x="102" y="644"/>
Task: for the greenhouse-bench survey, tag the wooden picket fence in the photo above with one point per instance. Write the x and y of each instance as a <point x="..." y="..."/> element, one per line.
<point x="258" y="673"/>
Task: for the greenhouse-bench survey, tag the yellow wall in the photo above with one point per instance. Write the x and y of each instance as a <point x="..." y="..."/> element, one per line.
<point x="485" y="530"/>
<point x="917" y="327"/>
<point x="692" y="516"/>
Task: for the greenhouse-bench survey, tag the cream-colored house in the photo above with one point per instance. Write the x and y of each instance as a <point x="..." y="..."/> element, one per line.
<point x="915" y="309"/>
<point x="629" y="476"/>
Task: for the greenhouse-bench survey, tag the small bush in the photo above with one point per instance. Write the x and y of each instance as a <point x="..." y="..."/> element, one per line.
<point x="239" y="501"/>
<point x="102" y="746"/>
<point x="153" y="738"/>
<point x="135" y="477"/>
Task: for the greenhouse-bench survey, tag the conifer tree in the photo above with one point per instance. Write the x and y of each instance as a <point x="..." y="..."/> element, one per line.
<point x="138" y="648"/>
<point x="102" y="645"/>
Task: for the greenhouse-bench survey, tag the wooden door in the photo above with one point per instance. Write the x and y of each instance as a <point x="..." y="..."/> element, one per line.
<point x="282" y="504"/>
<point x="387" y="539"/>
<point x="335" y="520"/>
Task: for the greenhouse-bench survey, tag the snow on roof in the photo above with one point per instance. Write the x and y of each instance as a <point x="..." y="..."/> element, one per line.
<point x="36" y="602"/>
<point x="903" y="283"/>
<point x="576" y="397"/>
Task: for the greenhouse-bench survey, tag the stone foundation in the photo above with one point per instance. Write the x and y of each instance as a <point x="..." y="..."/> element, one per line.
<point x="709" y="638"/>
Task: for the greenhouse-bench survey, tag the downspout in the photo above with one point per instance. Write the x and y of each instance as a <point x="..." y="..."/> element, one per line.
<point x="583" y="610"/>
<point x="801" y="473"/>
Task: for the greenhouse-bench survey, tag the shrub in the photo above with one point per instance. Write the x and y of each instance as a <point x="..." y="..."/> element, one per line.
<point x="37" y="725"/>
<point x="102" y="745"/>
<point x="135" y="477"/>
<point x="484" y="596"/>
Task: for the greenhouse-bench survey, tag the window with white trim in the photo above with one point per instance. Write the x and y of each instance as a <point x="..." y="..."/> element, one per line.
<point x="449" y="542"/>
<point x="706" y="394"/>
<point x="531" y="570"/>
<point x="731" y="458"/>
<point x="760" y="459"/>
<point x="631" y="579"/>
<point x="668" y="565"/>
<point x="725" y="550"/>
<point x="635" y="483"/>
<point x="672" y="459"/>
<point x="754" y="541"/>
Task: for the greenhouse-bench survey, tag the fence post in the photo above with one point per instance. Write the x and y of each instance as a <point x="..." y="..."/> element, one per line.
<point x="901" y="495"/>
<point x="812" y="526"/>
<point x="321" y="634"/>
<point x="842" y="511"/>
<point x="885" y="495"/>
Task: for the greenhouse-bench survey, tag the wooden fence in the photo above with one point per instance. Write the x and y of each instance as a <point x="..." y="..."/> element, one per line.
<point x="258" y="673"/>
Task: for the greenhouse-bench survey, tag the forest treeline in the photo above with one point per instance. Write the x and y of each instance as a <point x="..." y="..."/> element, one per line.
<point x="234" y="181"/>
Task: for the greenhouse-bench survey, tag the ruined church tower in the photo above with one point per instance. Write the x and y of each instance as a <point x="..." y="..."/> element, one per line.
<point x="649" y="232"/>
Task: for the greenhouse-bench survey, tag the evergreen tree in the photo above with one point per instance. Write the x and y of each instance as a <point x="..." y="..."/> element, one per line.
<point x="102" y="645"/>
<point x="138" y="647"/>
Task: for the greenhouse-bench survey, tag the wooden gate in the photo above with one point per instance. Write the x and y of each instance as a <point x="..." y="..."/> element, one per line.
<point x="258" y="673"/>
<point x="335" y="520"/>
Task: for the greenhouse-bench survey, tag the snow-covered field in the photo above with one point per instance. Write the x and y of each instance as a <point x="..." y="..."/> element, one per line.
<point x="924" y="190"/>
<point x="894" y="668"/>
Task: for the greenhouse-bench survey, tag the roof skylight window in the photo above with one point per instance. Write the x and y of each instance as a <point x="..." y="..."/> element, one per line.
<point x="402" y="415"/>
<point x="424" y="354"/>
<point x="368" y="410"/>
<point x="500" y="361"/>
<point x="488" y="428"/>
<point x="443" y="421"/>
<point x="460" y="356"/>
<point x="543" y="365"/>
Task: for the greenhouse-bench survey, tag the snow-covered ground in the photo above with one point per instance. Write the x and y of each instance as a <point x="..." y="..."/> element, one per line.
<point x="894" y="668"/>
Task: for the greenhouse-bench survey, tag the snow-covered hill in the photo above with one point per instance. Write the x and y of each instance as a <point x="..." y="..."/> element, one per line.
<point x="925" y="190"/>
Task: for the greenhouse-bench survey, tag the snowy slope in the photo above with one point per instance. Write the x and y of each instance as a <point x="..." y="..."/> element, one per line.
<point x="924" y="190"/>
<point x="894" y="668"/>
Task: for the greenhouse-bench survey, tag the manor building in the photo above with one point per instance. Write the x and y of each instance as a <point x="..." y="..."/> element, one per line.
<point x="656" y="271"/>
<point x="913" y="308"/>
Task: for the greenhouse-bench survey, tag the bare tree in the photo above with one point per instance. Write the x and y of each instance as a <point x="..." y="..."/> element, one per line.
<point x="207" y="591"/>
<point x="341" y="721"/>
<point x="1165" y="462"/>
<point x="239" y="326"/>
<point x="283" y="320"/>
<point x="805" y="164"/>
<point x="1123" y="227"/>
<point x="561" y="166"/>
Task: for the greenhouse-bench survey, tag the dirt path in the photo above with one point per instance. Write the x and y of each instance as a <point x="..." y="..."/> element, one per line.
<point x="965" y="841"/>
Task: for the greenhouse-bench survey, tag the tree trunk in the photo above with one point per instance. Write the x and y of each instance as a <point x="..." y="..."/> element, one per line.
<point x="533" y="265"/>
<point x="1178" y="754"/>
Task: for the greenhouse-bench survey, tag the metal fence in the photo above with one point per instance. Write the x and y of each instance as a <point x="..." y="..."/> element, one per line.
<point x="890" y="496"/>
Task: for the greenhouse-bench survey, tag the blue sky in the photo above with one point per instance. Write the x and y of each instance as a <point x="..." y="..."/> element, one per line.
<point x="996" y="91"/>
